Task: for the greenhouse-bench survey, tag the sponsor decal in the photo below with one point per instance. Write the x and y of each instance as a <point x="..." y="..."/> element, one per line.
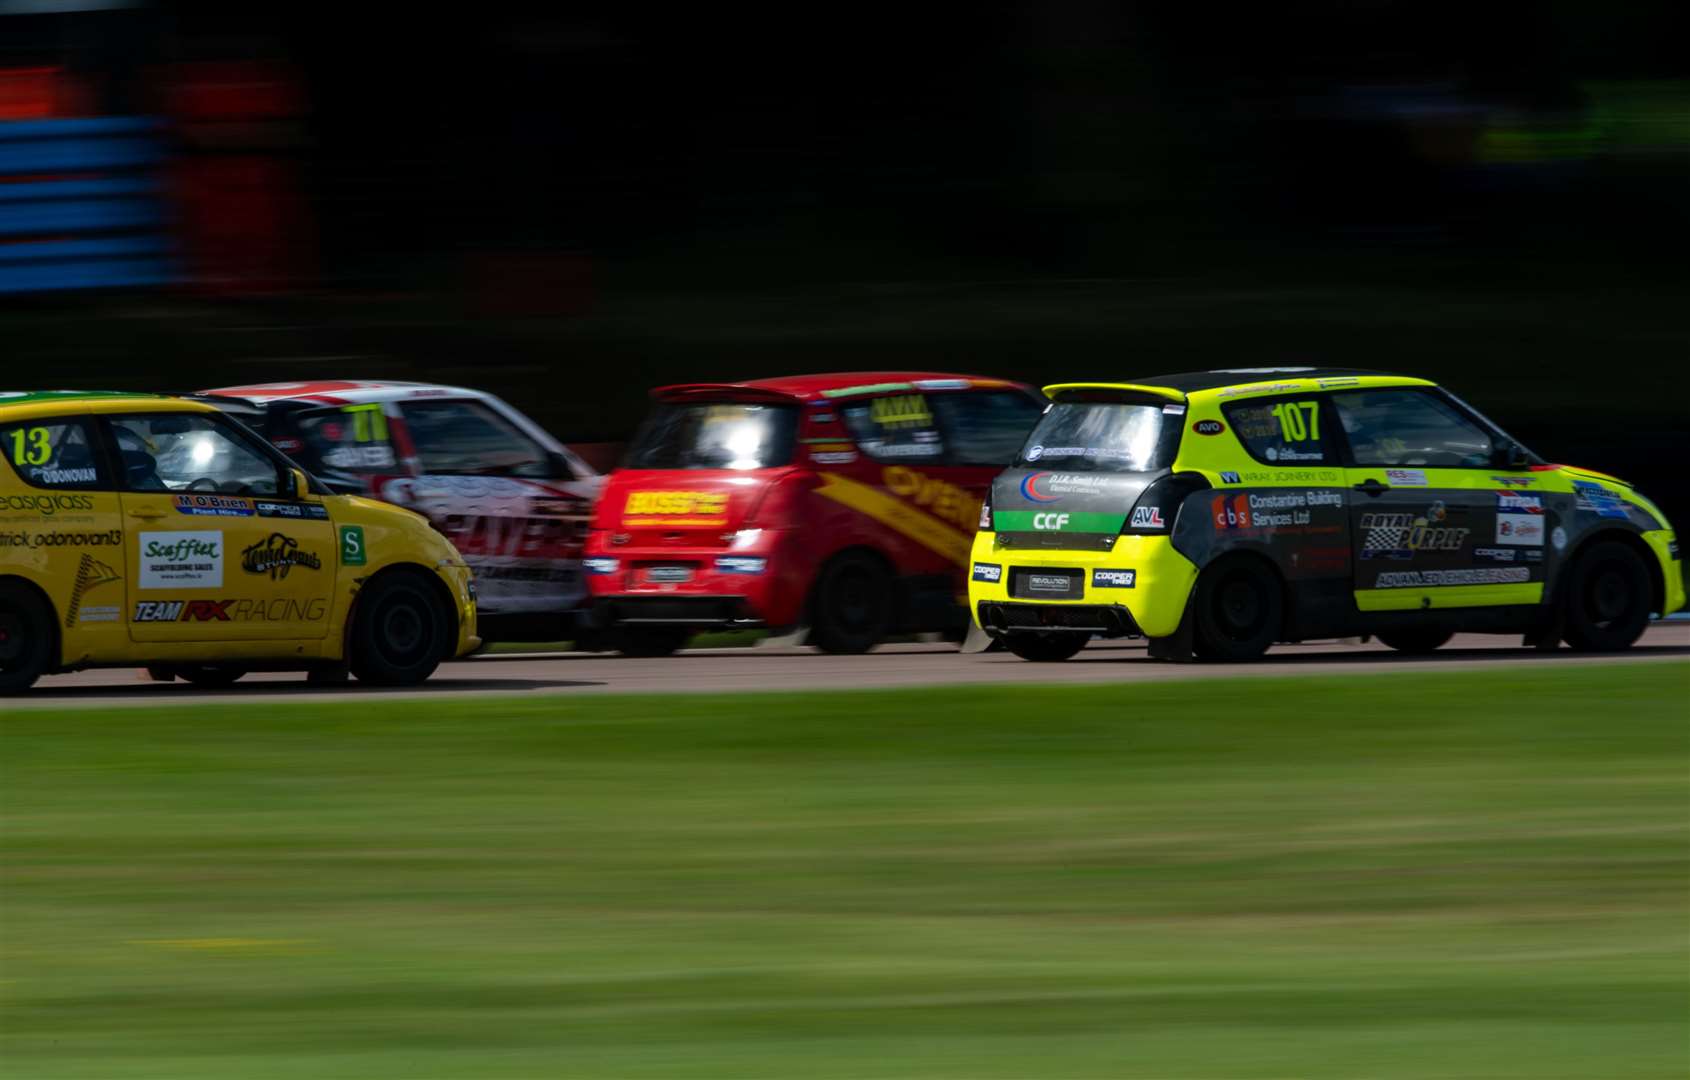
<point x="1409" y="579"/>
<point x="99" y="613"/>
<point x="287" y="444"/>
<point x="1391" y="534"/>
<point x="296" y="511"/>
<point x="103" y="538"/>
<point x="1534" y="554"/>
<point x="1260" y="388"/>
<point x="1113" y="579"/>
<point x="1513" y="481"/>
<point x="1289" y="511"/>
<point x="1147" y="517"/>
<point x="157" y="611"/>
<point x="1557" y="538"/>
<point x="953" y="505"/>
<point x="833" y="453"/>
<point x="1208" y="427"/>
<point x="46" y="505"/>
<point x="91" y="573"/>
<point x="352" y="549"/>
<point x="741" y="564"/>
<point x="1520" y="530"/>
<point x="65" y="476"/>
<point x="1495" y="554"/>
<point x="1333" y="384"/>
<point x="1094" y="453"/>
<point x="1598" y="499"/>
<point x="373" y="456"/>
<point x="599" y="564"/>
<point x="1513" y="503"/>
<point x="181" y="560"/>
<point x="1056" y="583"/>
<point x="941" y="384"/>
<point x="1054" y="522"/>
<point x="275" y="555"/>
<point x="1405" y="477"/>
<point x="1048" y="487"/>
<point x="213" y="505"/>
<point x="1173" y="409"/>
<point x="939" y="516"/>
<point x="675" y="508"/>
<point x="989" y="572"/>
<point x="1038" y="521"/>
<point x="1229" y="477"/>
<point x="1034" y="453"/>
<point x="1290" y="453"/>
<point x="1293" y="476"/>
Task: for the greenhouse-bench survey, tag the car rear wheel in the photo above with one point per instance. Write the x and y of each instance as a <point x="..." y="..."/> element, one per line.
<point x="26" y="637"/>
<point x="1239" y="611"/>
<point x="400" y="631"/>
<point x="852" y="606"/>
<point x="650" y="641"/>
<point x="1607" y="599"/>
<point x="1045" y="648"/>
<point x="1415" y="641"/>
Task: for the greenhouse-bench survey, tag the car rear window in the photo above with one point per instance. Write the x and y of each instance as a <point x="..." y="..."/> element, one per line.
<point x="715" y="435"/>
<point x="1111" y="437"/>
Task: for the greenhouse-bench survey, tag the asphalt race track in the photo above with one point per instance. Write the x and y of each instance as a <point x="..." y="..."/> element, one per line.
<point x="802" y="669"/>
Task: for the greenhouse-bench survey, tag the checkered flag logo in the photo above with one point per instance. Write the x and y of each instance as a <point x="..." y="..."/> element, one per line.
<point x="1383" y="539"/>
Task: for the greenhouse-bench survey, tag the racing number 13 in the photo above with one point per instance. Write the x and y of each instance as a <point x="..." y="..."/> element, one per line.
<point x="1291" y="424"/>
<point x="32" y="447"/>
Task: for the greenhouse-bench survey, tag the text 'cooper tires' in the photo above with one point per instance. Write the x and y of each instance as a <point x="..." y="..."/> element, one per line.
<point x="1415" y="642"/>
<point x="1045" y="648"/>
<point x="1238" y="610"/>
<point x="1607" y="598"/>
<point x="851" y="609"/>
<point x="400" y="631"/>
<point x="26" y="637"/>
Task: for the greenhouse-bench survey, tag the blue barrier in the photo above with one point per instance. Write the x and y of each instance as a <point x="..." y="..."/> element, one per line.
<point x="104" y="229"/>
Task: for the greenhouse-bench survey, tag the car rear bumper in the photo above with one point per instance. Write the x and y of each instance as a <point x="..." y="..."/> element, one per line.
<point x="1139" y="587"/>
<point x="762" y="583"/>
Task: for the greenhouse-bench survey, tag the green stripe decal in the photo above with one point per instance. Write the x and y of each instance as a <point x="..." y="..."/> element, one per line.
<point x="1076" y="521"/>
<point x="872" y="388"/>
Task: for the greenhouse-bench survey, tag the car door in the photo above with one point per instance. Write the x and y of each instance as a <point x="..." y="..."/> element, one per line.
<point x="516" y="510"/>
<point x="216" y="546"/>
<point x="1434" y="526"/>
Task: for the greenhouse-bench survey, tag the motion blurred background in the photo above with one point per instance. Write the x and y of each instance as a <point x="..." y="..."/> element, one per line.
<point x="568" y="208"/>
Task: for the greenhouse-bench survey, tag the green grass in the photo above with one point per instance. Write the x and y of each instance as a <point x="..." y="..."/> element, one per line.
<point x="1468" y="875"/>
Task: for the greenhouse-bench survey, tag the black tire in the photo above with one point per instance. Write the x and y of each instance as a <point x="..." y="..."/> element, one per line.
<point x="210" y="675"/>
<point x="26" y="637"/>
<point x="1239" y="611"/>
<point x="1045" y="648"/>
<point x="851" y="608"/>
<point x="401" y="630"/>
<point x="1416" y="641"/>
<point x="1607" y="598"/>
<point x="650" y="641"/>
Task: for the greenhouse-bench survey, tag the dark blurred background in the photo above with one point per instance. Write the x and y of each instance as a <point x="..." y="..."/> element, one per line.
<point x="570" y="207"/>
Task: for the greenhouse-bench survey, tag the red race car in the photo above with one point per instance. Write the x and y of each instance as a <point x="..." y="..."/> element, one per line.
<point x="839" y="507"/>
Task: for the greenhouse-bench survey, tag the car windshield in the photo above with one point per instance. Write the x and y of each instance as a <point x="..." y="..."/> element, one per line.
<point x="1103" y="437"/>
<point x="719" y="435"/>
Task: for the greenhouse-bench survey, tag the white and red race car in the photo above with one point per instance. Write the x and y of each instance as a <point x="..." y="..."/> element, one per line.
<point x="514" y="500"/>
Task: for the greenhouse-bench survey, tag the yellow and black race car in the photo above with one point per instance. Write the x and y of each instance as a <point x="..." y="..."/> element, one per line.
<point x="151" y="531"/>
<point x="1219" y="512"/>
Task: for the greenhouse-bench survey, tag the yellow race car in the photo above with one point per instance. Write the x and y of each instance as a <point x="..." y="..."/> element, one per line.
<point x="151" y="531"/>
<point x="1218" y="512"/>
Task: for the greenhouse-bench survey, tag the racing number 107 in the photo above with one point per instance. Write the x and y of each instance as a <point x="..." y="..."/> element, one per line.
<point x="1292" y="427"/>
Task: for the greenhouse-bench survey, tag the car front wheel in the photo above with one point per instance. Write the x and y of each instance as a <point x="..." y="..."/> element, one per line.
<point x="400" y="631"/>
<point x="1607" y="599"/>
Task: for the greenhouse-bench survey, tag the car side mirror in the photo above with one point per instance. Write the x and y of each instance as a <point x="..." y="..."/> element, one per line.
<point x="300" y="482"/>
<point x="1510" y="455"/>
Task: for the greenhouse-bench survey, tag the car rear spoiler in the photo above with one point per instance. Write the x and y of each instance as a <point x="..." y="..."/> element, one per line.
<point x="1122" y="388"/>
<point x="722" y="392"/>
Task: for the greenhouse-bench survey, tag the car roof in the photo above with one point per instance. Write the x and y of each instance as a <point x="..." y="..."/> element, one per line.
<point x="339" y="391"/>
<point x="1224" y="382"/>
<point x="33" y="403"/>
<point x="831" y="385"/>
